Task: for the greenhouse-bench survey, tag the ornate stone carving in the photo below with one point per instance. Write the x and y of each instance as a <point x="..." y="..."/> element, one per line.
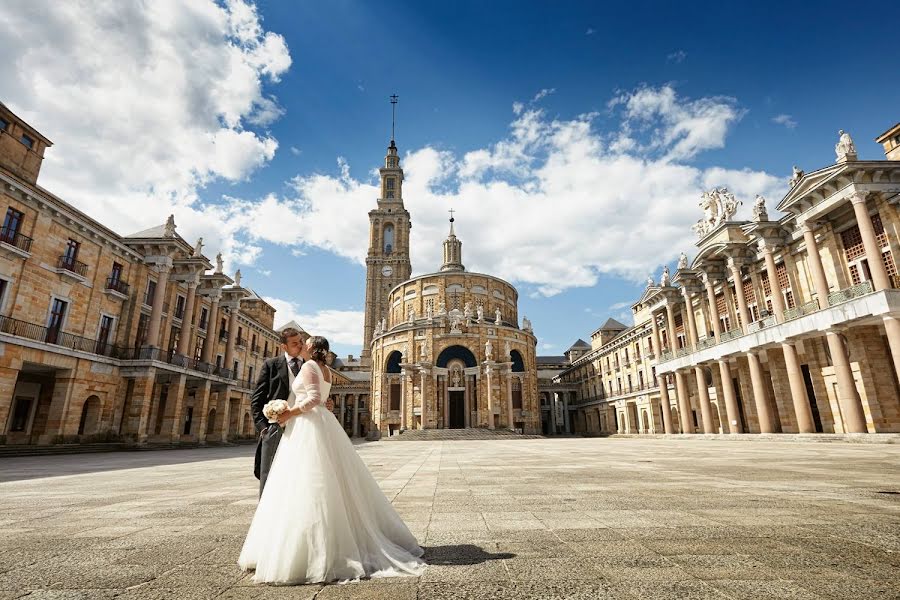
<point x="650" y="282"/>
<point x="796" y="176"/>
<point x="442" y="308"/>
<point x="383" y="324"/>
<point x="507" y="350"/>
<point x="237" y="278"/>
<point x="456" y="376"/>
<point x="411" y="314"/>
<point x="526" y="325"/>
<point x="198" y="247"/>
<point x="467" y="311"/>
<point x="718" y="205"/>
<point x="488" y="350"/>
<point x="479" y="310"/>
<point x="845" y="149"/>
<point x="422" y="354"/>
<point x="498" y="318"/>
<point x="665" y="279"/>
<point x="682" y="261"/>
<point x="378" y="328"/>
<point x="759" y="209"/>
<point x="403" y="352"/>
<point x="170" y="227"/>
<point x="429" y="314"/>
<point x="219" y="262"/>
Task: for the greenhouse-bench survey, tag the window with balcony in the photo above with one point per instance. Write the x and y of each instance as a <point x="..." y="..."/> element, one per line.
<point x="69" y="260"/>
<point x="57" y="318"/>
<point x="179" y="307"/>
<point x="105" y="333"/>
<point x="141" y="337"/>
<point x="11" y="231"/>
<point x="4" y="124"/>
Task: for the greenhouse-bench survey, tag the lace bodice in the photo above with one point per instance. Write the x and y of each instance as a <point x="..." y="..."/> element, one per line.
<point x="310" y="386"/>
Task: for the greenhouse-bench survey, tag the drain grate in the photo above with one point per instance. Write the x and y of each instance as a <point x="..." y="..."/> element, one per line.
<point x="890" y="493"/>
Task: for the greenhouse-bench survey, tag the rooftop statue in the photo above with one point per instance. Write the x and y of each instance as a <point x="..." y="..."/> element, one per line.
<point x="796" y="176"/>
<point x="759" y="209"/>
<point x="845" y="148"/>
<point x="682" y="261"/>
<point x="718" y="205"/>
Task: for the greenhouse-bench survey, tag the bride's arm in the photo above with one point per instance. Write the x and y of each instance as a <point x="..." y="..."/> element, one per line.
<point x="311" y="381"/>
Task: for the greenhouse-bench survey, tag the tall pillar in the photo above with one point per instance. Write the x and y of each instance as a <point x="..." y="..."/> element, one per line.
<point x="509" y="402"/>
<point x="664" y="402"/>
<point x="670" y="325"/>
<point x="424" y="397"/>
<point x="142" y="400"/>
<point x="772" y="273"/>
<point x="763" y="410"/>
<point x="691" y="320"/>
<point x="799" y="396"/>
<point x="848" y="395"/>
<point x="187" y="328"/>
<point x="739" y="291"/>
<point x="880" y="278"/>
<point x="713" y="307"/>
<point x="552" y="398"/>
<point x="212" y="330"/>
<point x="403" y="399"/>
<point x="655" y="337"/>
<point x="703" y="395"/>
<point x="566" y="419"/>
<point x="731" y="407"/>
<point x="343" y="400"/>
<point x="201" y="402"/>
<point x="172" y="422"/>
<point x="467" y="418"/>
<point x="684" y="403"/>
<point x="159" y="297"/>
<point x="63" y="388"/>
<point x="355" y="429"/>
<point x="232" y="338"/>
<point x="490" y="397"/>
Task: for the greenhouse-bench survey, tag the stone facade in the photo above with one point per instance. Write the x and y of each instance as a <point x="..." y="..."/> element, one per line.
<point x="109" y="337"/>
<point x="776" y="326"/>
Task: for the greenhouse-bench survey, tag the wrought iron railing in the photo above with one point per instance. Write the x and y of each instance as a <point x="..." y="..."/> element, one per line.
<point x="854" y="291"/>
<point x="67" y="263"/>
<point x="666" y="355"/>
<point x="240" y="342"/>
<point x="801" y="311"/>
<point x="117" y="285"/>
<point x="14" y="238"/>
<point x="223" y="334"/>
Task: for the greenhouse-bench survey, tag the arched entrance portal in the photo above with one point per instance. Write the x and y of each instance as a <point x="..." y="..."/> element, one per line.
<point x="456" y="396"/>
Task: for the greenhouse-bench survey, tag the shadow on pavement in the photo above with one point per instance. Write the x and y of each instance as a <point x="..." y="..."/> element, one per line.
<point x="460" y="554"/>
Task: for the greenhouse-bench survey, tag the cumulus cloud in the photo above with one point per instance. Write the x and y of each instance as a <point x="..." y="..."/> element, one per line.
<point x="786" y="120"/>
<point x="555" y="204"/>
<point x="150" y="101"/>
<point x="339" y="326"/>
<point x="676" y="57"/>
<point x="543" y="94"/>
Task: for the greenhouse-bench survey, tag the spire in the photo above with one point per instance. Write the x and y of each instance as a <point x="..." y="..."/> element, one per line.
<point x="452" y="250"/>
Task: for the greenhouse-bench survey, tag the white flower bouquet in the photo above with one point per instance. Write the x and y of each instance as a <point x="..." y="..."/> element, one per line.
<point x="274" y="408"/>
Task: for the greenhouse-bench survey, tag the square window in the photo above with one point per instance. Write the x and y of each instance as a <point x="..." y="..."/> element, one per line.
<point x="29" y="143"/>
<point x="3" y="124"/>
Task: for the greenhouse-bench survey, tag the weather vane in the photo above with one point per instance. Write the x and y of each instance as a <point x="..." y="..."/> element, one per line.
<point x="394" y="98"/>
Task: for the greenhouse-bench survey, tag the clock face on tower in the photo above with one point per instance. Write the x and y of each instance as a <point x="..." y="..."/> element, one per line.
<point x="387" y="270"/>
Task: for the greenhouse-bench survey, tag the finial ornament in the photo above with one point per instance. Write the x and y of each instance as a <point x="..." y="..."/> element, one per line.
<point x="845" y="149"/>
<point x="718" y="205"/>
<point x="170" y="226"/>
<point x="759" y="209"/>
<point x="394" y="99"/>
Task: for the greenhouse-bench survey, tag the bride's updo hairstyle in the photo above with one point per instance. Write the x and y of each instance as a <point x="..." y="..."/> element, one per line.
<point x="318" y="348"/>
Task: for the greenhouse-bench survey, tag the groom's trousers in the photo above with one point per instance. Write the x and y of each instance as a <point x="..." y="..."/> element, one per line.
<point x="269" y="446"/>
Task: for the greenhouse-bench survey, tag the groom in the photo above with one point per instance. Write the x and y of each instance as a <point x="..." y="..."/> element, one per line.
<point x="274" y="383"/>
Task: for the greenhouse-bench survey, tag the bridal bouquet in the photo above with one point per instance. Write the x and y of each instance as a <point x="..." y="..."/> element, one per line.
<point x="274" y="408"/>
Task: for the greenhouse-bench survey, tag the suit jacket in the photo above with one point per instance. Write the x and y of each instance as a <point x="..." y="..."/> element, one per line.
<point x="273" y="384"/>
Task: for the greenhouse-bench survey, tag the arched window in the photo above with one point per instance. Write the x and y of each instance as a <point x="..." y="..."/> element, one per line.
<point x="388" y="238"/>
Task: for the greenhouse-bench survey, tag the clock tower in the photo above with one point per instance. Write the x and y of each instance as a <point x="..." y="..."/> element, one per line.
<point x="387" y="263"/>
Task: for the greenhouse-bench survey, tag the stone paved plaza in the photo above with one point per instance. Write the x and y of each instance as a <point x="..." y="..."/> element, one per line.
<point x="545" y="518"/>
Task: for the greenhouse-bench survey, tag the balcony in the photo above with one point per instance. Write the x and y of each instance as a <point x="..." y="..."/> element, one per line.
<point x="116" y="288"/>
<point x="731" y="334"/>
<point x="179" y="312"/>
<point x="855" y="291"/>
<point x="223" y="335"/>
<point x="14" y="244"/>
<point x="241" y="342"/>
<point x="254" y="349"/>
<point x="801" y="311"/>
<point x="67" y="266"/>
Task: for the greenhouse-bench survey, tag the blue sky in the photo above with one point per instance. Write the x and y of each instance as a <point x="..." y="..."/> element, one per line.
<point x="644" y="105"/>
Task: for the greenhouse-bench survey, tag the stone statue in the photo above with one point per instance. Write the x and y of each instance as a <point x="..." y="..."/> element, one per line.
<point x="219" y="262"/>
<point x="682" y="261"/>
<point x="498" y="318"/>
<point x="378" y="328"/>
<point x="526" y="324"/>
<point x="422" y="354"/>
<point x="383" y="324"/>
<point x="442" y="308"/>
<point x="237" y="278"/>
<point x="664" y="280"/>
<point x="718" y="205"/>
<point x="507" y="351"/>
<point x="467" y="312"/>
<point x="429" y="314"/>
<point x="845" y="148"/>
<point x="456" y="377"/>
<point x="403" y="351"/>
<point x="480" y="312"/>
<point x="759" y="209"/>
<point x="411" y="314"/>
<point x="650" y="282"/>
<point x="488" y="350"/>
<point x="455" y="323"/>
<point x="198" y="247"/>
<point x="170" y="226"/>
<point x="796" y="176"/>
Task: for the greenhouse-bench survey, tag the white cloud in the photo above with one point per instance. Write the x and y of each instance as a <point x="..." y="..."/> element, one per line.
<point x="620" y="305"/>
<point x="296" y="151"/>
<point x="543" y="94"/>
<point x="590" y="31"/>
<point x="149" y="101"/>
<point x="786" y="120"/>
<point x="339" y="326"/>
<point x="552" y="205"/>
<point x="676" y="57"/>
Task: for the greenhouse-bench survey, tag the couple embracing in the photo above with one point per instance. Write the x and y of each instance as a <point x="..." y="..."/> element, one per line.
<point x="321" y="515"/>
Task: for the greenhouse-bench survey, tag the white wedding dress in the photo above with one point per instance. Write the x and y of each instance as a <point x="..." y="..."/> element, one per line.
<point x="322" y="516"/>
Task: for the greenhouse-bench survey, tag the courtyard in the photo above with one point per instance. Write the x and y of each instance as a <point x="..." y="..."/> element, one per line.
<point x="538" y="518"/>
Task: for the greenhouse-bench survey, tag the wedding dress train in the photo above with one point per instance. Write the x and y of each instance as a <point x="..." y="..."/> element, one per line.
<point x="322" y="516"/>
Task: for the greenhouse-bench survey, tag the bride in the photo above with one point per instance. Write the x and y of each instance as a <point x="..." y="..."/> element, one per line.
<point x="322" y="516"/>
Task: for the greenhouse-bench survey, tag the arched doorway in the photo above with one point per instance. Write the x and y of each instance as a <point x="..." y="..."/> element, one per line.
<point x="676" y="422"/>
<point x="457" y="396"/>
<point x="645" y="421"/>
<point x="211" y="421"/>
<point x="90" y="416"/>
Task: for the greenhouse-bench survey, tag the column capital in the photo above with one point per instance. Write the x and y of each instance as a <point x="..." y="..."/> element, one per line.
<point x="766" y="246"/>
<point x="858" y="197"/>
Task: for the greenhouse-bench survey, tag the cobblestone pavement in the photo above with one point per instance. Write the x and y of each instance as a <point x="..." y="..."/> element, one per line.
<point x="547" y="518"/>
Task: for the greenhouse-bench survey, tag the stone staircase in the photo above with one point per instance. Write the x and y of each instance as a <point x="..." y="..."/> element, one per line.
<point x="428" y="435"/>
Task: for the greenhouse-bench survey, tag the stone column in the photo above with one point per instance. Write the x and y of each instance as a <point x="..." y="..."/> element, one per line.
<point x="343" y="411"/>
<point x="880" y="279"/>
<point x="142" y="401"/>
<point x="713" y="307"/>
<point x="799" y="396"/>
<point x="566" y="419"/>
<point x="467" y="419"/>
<point x="159" y="298"/>
<point x="201" y="401"/>
<point x="354" y="431"/>
<point x="212" y="330"/>
<point x="664" y="402"/>
<point x="63" y="388"/>
<point x="424" y="397"/>
<point x="402" y="399"/>
<point x="693" y="338"/>
<point x="174" y="408"/>
<point x="232" y="338"/>
<point x="670" y="325"/>
<point x="731" y="407"/>
<point x="552" y="399"/>
<point x="657" y="346"/>
<point x="490" y="397"/>
<point x="763" y="410"/>
<point x="509" y="402"/>
<point x="854" y="420"/>
<point x="772" y="272"/>
<point x="684" y="403"/>
<point x="187" y="328"/>
<point x="739" y="291"/>
<point x="703" y="395"/>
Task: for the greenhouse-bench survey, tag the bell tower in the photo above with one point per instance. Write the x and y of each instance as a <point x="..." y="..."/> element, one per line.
<point x="387" y="262"/>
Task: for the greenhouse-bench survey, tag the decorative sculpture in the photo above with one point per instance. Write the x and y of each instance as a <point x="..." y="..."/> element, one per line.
<point x="198" y="247"/>
<point x="219" y="262"/>
<point x="796" y="176"/>
<point x="237" y="278"/>
<point x="479" y="310"/>
<point x="378" y="328"/>
<point x="411" y="314"/>
<point x="455" y="322"/>
<point x="718" y="205"/>
<point x="422" y="354"/>
<point x="456" y="377"/>
<point x="650" y="282"/>
<point x="507" y="351"/>
<point x="845" y="148"/>
<point x="403" y="352"/>
<point x="429" y="314"/>
<point x="442" y="308"/>
<point x="759" y="209"/>
<point x="498" y="318"/>
<point x="383" y="324"/>
<point x="488" y="350"/>
<point x="526" y="324"/>
<point x="664" y="280"/>
<point x="467" y="312"/>
<point x="170" y="226"/>
<point x="682" y="261"/>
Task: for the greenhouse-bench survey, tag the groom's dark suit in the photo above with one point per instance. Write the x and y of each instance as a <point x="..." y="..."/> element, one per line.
<point x="273" y="384"/>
